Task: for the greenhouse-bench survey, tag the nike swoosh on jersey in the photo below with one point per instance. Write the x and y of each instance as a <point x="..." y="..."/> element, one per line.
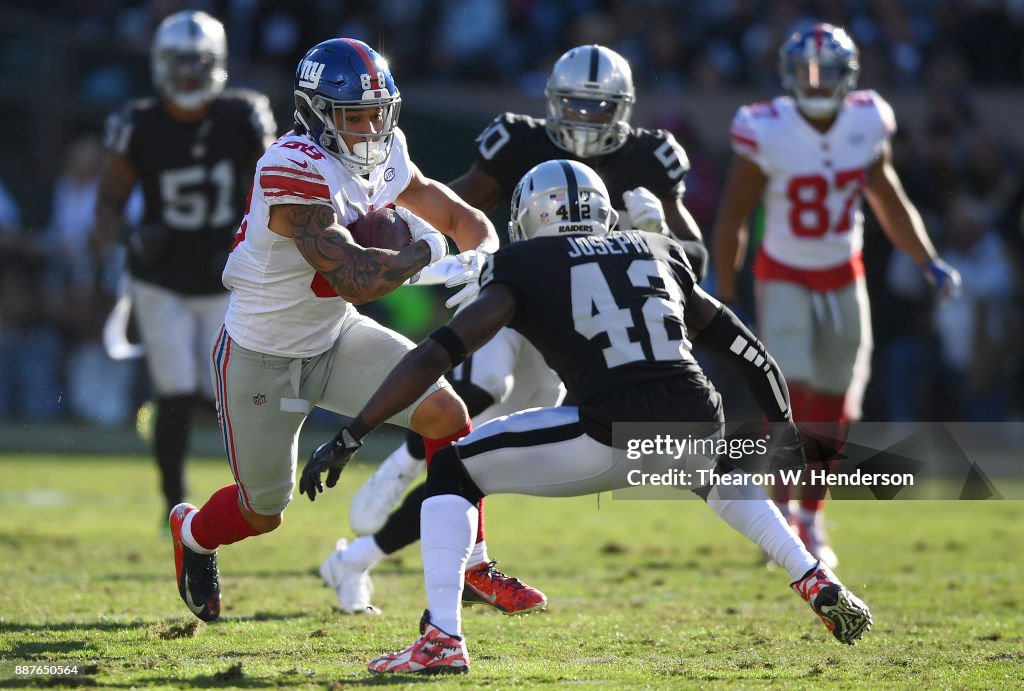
<point x="303" y="164"/>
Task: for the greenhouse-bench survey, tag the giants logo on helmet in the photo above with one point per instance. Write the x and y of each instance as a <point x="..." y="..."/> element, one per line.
<point x="309" y="74"/>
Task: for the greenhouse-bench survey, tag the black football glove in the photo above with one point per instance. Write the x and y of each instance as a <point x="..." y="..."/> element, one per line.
<point x="331" y="456"/>
<point x="785" y="448"/>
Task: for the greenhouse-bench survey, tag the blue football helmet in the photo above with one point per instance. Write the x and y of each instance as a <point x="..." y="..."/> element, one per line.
<point x="342" y="75"/>
<point x="823" y="58"/>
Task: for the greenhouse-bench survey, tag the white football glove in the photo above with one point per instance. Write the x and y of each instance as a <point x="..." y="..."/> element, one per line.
<point x="473" y="264"/>
<point x="645" y="210"/>
<point x="421" y="230"/>
<point x="439" y="272"/>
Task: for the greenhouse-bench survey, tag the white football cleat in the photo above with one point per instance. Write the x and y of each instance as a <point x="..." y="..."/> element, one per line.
<point x="378" y="496"/>
<point x="352" y="586"/>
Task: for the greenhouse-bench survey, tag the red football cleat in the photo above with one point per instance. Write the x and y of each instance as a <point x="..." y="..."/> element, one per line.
<point x="434" y="652"/>
<point x="485" y="584"/>
<point x="844" y="614"/>
<point x="198" y="581"/>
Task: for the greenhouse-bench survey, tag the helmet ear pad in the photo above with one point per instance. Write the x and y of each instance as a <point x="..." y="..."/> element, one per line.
<point x="314" y="120"/>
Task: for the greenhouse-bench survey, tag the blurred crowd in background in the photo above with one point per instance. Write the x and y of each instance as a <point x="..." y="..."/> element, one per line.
<point x="64" y="67"/>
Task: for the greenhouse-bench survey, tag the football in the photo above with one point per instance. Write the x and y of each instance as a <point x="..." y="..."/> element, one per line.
<point x="381" y="228"/>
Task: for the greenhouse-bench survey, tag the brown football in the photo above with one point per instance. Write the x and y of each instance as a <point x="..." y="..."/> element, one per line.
<point x="381" y="228"/>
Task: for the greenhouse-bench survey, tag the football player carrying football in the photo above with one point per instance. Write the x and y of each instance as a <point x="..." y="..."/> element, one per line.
<point x="193" y="151"/>
<point x="590" y="97"/>
<point x="290" y="338"/>
<point x="809" y="157"/>
<point x="613" y="312"/>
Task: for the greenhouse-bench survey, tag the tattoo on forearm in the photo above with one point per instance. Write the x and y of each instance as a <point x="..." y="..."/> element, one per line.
<point x="351" y="269"/>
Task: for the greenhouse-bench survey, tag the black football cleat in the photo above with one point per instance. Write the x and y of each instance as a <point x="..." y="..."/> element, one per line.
<point x="198" y="581"/>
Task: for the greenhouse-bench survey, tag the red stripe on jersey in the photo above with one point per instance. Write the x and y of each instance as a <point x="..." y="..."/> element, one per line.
<point x="745" y="141"/>
<point x="304" y="188"/>
<point x="285" y="193"/>
<point x="763" y="109"/>
<point x="321" y="287"/>
<point x="819" y="280"/>
<point x="283" y="169"/>
<point x="371" y="69"/>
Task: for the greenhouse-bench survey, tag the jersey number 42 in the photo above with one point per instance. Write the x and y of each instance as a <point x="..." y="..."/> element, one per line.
<point x="596" y="311"/>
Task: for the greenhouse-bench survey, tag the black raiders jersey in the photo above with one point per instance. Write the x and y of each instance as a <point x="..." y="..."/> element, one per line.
<point x="512" y="144"/>
<point x="606" y="312"/>
<point x="195" y="179"/>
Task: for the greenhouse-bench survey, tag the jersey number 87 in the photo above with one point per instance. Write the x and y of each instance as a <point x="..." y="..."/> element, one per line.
<point x="808" y="194"/>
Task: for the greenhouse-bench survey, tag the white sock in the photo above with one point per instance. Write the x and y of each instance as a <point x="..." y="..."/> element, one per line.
<point x="445" y="547"/>
<point x="363" y="554"/>
<point x="404" y="461"/>
<point x="806" y="516"/>
<point x="783" y="507"/>
<point x="186" y="536"/>
<point x="478" y="555"/>
<point x="751" y="513"/>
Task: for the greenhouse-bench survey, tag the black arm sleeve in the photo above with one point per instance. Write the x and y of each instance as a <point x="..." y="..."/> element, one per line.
<point x="726" y="335"/>
<point x="697" y="255"/>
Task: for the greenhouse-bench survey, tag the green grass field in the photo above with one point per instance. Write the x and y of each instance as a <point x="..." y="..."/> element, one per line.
<point x="650" y="594"/>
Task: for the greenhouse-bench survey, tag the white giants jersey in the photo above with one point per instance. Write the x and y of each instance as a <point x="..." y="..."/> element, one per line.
<point x="279" y="304"/>
<point x="812" y="201"/>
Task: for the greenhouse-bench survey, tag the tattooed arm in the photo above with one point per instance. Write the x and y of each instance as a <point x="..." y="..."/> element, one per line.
<point x="356" y="273"/>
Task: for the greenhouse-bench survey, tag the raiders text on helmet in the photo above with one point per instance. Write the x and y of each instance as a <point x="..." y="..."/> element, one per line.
<point x="818" y="67"/>
<point x="189" y="59"/>
<point x="339" y="76"/>
<point x="590" y="99"/>
<point x="560" y="197"/>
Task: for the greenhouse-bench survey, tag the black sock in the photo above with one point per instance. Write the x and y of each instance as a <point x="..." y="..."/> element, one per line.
<point x="403" y="525"/>
<point x="417" y="449"/>
<point x="170" y="444"/>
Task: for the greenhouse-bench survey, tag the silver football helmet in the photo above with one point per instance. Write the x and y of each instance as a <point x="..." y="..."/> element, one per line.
<point x="189" y="59"/>
<point x="590" y="100"/>
<point x="560" y="197"/>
